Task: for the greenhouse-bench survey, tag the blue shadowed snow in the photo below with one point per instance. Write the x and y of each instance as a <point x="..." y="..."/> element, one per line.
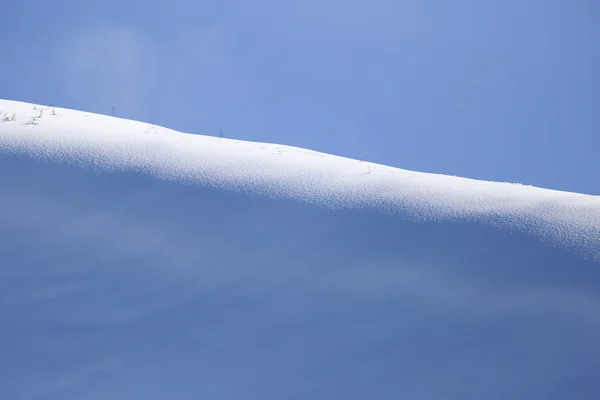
<point x="120" y="285"/>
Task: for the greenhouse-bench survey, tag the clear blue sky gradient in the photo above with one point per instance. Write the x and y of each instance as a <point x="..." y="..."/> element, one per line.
<point x="492" y="90"/>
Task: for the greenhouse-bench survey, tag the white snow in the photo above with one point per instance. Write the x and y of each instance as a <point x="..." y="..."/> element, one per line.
<point x="109" y="143"/>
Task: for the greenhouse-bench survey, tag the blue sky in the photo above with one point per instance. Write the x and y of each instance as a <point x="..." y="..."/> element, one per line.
<point x="491" y="90"/>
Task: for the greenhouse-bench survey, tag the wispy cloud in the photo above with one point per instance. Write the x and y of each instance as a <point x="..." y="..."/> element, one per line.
<point x="114" y="66"/>
<point x="126" y="68"/>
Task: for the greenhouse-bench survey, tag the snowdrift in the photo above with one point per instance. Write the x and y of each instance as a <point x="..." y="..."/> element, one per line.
<point x="140" y="262"/>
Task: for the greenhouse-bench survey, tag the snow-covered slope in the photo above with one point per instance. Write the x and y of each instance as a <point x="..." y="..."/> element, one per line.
<point x="137" y="261"/>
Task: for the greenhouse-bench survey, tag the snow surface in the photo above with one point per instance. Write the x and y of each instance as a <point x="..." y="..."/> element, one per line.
<point x="143" y="262"/>
<point x="283" y="171"/>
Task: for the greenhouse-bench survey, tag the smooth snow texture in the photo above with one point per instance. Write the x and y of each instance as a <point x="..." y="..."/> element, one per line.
<point x="139" y="262"/>
<point x="283" y="171"/>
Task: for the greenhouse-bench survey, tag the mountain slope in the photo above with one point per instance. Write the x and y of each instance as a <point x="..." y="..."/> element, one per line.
<point x="143" y="262"/>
